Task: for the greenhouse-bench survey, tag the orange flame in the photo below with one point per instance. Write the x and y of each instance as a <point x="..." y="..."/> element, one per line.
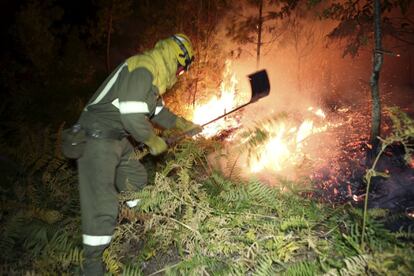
<point x="218" y="106"/>
<point x="286" y="143"/>
<point x="285" y="146"/>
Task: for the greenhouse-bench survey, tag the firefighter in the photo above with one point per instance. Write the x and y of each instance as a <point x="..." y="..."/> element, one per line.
<point x="125" y="105"/>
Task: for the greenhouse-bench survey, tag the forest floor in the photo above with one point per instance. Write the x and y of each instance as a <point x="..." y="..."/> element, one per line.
<point x="194" y="220"/>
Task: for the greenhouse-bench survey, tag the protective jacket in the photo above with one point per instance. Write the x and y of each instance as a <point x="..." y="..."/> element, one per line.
<point x="131" y="95"/>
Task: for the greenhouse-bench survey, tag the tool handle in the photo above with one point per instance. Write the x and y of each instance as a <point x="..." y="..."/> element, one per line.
<point x="172" y="140"/>
<point x="225" y="114"/>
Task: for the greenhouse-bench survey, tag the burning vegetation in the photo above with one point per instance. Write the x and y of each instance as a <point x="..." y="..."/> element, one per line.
<point x="328" y="147"/>
<point x="283" y="186"/>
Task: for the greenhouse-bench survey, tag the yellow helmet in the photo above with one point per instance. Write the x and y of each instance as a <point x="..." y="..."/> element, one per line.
<point x="184" y="50"/>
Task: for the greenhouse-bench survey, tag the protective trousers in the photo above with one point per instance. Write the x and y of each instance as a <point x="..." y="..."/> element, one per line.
<point x="106" y="168"/>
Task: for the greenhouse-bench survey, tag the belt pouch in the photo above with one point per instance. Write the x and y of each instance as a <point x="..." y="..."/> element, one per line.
<point x="73" y="141"/>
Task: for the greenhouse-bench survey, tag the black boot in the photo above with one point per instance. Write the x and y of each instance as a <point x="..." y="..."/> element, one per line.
<point x="93" y="264"/>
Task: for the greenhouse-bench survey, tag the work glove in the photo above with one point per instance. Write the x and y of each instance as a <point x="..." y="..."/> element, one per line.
<point x="156" y="145"/>
<point x="188" y="127"/>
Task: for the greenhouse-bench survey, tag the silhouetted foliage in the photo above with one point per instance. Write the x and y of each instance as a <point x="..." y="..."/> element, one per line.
<point x="356" y="21"/>
<point x="259" y="22"/>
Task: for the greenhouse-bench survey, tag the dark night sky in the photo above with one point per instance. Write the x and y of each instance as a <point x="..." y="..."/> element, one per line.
<point x="76" y="12"/>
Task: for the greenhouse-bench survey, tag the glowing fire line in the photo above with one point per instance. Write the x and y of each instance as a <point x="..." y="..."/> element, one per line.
<point x="218" y="106"/>
<point x="285" y="144"/>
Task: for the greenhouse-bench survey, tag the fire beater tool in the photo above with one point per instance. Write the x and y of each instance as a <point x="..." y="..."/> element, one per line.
<point x="259" y="82"/>
<point x="260" y="86"/>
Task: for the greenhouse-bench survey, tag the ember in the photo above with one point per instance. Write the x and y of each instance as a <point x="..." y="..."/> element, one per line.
<point x="410" y="212"/>
<point x="304" y="143"/>
<point x="287" y="143"/>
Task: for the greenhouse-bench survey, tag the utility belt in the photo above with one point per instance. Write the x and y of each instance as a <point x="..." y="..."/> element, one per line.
<point x="106" y="134"/>
<point x="74" y="139"/>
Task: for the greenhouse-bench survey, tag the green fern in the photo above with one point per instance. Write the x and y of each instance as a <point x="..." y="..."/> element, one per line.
<point x="303" y="268"/>
<point x="378" y="213"/>
<point x="218" y="226"/>
<point x="131" y="270"/>
<point x="356" y="265"/>
<point x="112" y="260"/>
<point x="197" y="265"/>
<point x="294" y="222"/>
<point x="260" y="193"/>
<point x="232" y="169"/>
<point x="404" y="235"/>
<point x="264" y="267"/>
<point x="11" y="231"/>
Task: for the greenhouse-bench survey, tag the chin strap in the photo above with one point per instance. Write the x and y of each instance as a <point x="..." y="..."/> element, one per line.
<point x="180" y="70"/>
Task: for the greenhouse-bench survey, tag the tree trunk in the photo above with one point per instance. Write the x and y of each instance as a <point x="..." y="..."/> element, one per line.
<point x="259" y="33"/>
<point x="410" y="70"/>
<point x="108" y="40"/>
<point x="298" y="73"/>
<point x="377" y="63"/>
<point x="198" y="43"/>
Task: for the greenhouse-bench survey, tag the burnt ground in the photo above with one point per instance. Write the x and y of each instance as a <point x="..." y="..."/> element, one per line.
<point x="341" y="179"/>
<point x="338" y="156"/>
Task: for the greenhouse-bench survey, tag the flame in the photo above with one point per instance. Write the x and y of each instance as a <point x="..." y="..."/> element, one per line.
<point x="411" y="161"/>
<point x="217" y="106"/>
<point x="286" y="141"/>
<point x="286" y="145"/>
<point x="304" y="131"/>
<point x="273" y="153"/>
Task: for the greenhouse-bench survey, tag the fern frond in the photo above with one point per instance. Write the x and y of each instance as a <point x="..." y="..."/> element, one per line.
<point x="303" y="268"/>
<point x="287" y="250"/>
<point x="12" y="230"/>
<point x="112" y="261"/>
<point x="261" y="193"/>
<point x="404" y="235"/>
<point x="356" y="265"/>
<point x="233" y="195"/>
<point x="197" y="265"/>
<point x="378" y="213"/>
<point x="233" y="170"/>
<point x="294" y="222"/>
<point x="264" y="266"/>
<point x="132" y="270"/>
<point x="71" y="256"/>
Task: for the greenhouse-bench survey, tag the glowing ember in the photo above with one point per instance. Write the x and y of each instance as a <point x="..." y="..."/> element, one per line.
<point x="358" y="198"/>
<point x="286" y="140"/>
<point x="318" y="112"/>
<point x="409" y="211"/>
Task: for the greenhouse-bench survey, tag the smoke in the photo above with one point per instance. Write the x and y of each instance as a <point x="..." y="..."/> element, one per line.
<point x="305" y="68"/>
<point x="308" y="70"/>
